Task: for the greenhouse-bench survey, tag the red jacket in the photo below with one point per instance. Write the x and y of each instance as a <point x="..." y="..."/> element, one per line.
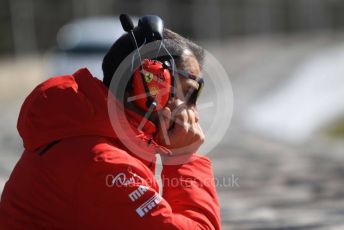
<point x="76" y="174"/>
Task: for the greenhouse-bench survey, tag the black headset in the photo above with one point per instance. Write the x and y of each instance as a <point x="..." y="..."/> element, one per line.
<point x="151" y="27"/>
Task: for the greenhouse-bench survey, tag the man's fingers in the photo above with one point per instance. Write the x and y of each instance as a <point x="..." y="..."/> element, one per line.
<point x="181" y="120"/>
<point x="191" y="117"/>
<point x="186" y="119"/>
<point x="199" y="135"/>
<point x="185" y="136"/>
<point x="166" y="117"/>
<point x="178" y="109"/>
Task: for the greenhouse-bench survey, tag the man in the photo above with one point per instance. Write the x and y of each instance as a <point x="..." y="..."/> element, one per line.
<point x="77" y="173"/>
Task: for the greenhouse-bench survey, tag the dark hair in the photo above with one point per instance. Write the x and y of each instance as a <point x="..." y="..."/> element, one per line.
<point x="175" y="43"/>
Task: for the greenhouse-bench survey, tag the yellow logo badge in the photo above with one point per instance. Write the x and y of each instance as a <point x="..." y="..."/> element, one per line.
<point x="148" y="76"/>
<point x="153" y="90"/>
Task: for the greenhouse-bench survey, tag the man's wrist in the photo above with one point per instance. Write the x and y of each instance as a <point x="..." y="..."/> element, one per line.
<point x="176" y="159"/>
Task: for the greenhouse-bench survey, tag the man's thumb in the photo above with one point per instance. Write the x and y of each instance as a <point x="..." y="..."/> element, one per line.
<point x="164" y="124"/>
<point x="165" y="118"/>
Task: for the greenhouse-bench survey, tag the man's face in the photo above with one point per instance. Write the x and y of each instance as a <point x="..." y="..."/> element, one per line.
<point x="179" y="130"/>
<point x="184" y="86"/>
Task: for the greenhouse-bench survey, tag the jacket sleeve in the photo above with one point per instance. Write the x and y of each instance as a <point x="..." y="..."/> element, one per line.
<point x="124" y="196"/>
<point x="190" y="190"/>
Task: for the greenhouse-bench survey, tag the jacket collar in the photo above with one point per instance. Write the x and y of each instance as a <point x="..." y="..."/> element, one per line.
<point x="147" y="133"/>
<point x="135" y="119"/>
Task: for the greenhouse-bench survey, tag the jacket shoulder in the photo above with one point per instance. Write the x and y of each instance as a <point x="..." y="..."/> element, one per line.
<point x="112" y="154"/>
<point x="109" y="158"/>
<point x="108" y="151"/>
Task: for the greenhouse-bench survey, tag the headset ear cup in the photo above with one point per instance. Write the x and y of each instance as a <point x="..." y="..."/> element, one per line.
<point x="138" y="90"/>
<point x="151" y="83"/>
<point x="166" y="88"/>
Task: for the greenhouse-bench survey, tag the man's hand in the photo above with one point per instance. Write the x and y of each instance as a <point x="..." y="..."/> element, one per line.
<point x="179" y="130"/>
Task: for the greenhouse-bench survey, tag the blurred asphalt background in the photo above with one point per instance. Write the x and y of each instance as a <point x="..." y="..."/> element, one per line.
<point x="284" y="59"/>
